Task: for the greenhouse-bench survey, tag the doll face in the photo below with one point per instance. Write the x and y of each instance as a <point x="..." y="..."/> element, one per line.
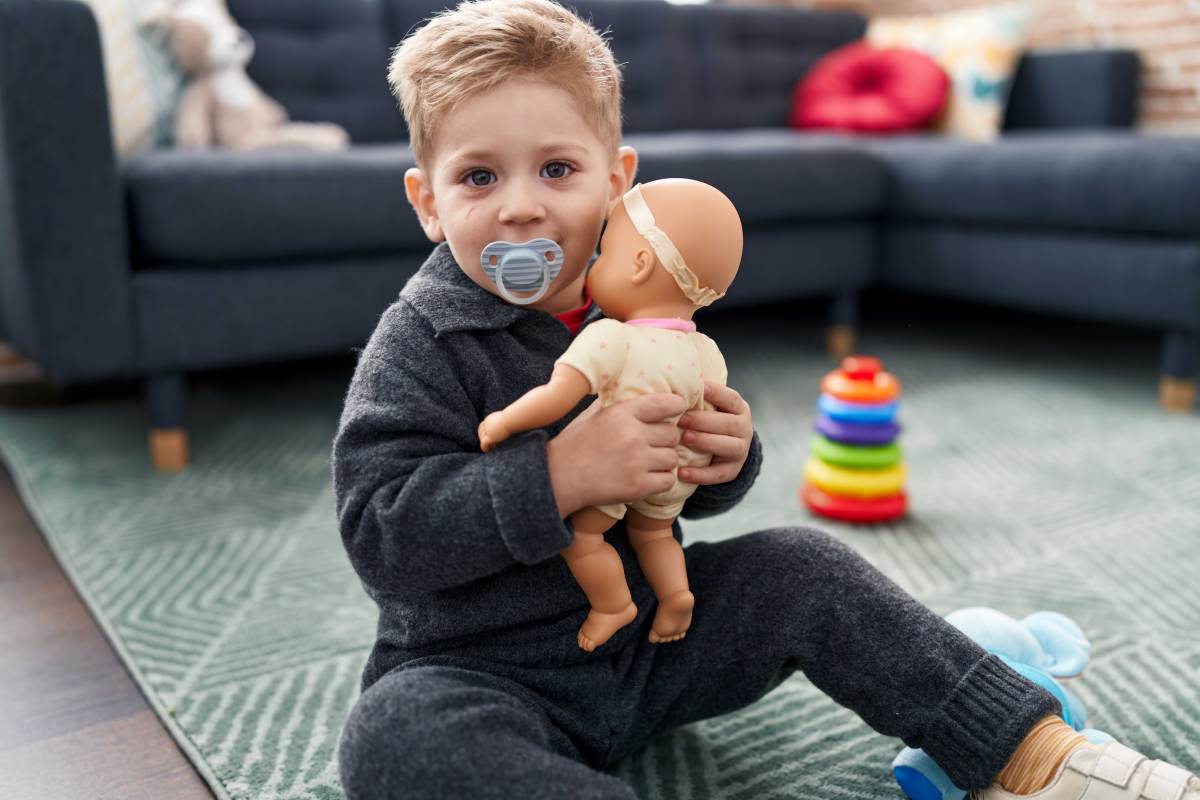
<point x="609" y="282"/>
<point x="515" y="163"/>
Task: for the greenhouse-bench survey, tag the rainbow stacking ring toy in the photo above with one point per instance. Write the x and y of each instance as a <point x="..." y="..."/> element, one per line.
<point x="856" y="433"/>
<point x="844" y="411"/>
<point x="857" y="472"/>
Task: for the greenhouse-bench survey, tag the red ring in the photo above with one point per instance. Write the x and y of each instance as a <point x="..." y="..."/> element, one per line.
<point x="853" y="509"/>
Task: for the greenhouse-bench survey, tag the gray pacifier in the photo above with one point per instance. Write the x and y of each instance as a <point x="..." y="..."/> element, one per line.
<point x="527" y="267"/>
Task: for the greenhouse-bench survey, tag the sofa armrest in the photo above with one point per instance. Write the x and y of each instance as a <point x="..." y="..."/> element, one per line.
<point x="64" y="268"/>
<point x="1074" y="89"/>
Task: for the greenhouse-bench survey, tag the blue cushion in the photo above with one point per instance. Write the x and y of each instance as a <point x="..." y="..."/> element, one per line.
<point x="197" y="208"/>
<point x="751" y="57"/>
<point x="1081" y="180"/>
<point x="325" y="61"/>
<point x="1046" y="90"/>
<point x="772" y="175"/>
<point x="1144" y="280"/>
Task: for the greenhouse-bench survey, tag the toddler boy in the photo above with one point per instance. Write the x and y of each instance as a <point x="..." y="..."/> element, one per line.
<point x="476" y="686"/>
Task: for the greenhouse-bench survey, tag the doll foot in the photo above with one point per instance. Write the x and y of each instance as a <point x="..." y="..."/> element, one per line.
<point x="599" y="627"/>
<point x="674" y="617"/>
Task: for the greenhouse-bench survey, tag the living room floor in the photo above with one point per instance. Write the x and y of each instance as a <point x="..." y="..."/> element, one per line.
<point x="76" y="726"/>
<point x="74" y="723"/>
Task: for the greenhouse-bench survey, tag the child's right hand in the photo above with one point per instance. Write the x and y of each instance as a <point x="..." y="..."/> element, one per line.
<point x="617" y="454"/>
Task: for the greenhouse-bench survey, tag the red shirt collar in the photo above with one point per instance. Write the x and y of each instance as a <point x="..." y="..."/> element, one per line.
<point x="573" y="319"/>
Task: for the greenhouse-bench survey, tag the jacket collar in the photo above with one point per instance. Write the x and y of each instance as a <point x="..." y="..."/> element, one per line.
<point x="450" y="301"/>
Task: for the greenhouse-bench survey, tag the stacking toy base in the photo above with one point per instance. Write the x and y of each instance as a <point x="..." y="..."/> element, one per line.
<point x="853" y="509"/>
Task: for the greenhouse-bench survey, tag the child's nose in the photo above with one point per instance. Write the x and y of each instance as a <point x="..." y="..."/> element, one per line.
<point x="521" y="205"/>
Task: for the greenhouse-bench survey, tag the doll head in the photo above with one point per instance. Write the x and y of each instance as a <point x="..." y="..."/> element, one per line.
<point x="672" y="246"/>
<point x="513" y="107"/>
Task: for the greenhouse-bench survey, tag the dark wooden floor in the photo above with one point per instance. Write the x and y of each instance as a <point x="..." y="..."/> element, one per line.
<point x="72" y="722"/>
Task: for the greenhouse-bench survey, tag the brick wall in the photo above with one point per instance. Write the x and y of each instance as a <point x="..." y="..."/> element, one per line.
<point x="1166" y="33"/>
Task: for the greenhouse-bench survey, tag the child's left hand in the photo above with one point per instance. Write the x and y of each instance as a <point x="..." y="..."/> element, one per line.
<point x="725" y="432"/>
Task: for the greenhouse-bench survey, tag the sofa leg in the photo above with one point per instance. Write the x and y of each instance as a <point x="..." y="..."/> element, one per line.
<point x="842" y="334"/>
<point x="166" y="396"/>
<point x="1177" y="386"/>
<point x="840" y="341"/>
<point x="1176" y="394"/>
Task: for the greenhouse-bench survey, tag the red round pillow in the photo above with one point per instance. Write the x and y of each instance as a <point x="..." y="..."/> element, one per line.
<point x="860" y="88"/>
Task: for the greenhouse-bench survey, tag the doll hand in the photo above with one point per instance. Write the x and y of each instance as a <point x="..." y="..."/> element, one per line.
<point x="492" y="431"/>
<point x="726" y="432"/>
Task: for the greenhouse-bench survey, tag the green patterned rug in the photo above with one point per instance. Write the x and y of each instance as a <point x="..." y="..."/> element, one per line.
<point x="1042" y="476"/>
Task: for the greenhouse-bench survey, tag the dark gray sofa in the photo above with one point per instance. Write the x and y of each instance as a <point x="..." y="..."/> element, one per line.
<point x="173" y="262"/>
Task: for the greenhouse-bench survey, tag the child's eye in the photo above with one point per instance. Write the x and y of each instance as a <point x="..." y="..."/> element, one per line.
<point x="473" y="177"/>
<point x="557" y="169"/>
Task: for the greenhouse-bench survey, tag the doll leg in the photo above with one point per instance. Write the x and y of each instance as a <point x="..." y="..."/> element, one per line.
<point x="598" y="571"/>
<point x="661" y="560"/>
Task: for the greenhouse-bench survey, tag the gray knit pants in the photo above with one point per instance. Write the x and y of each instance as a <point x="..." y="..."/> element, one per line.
<point x="536" y="722"/>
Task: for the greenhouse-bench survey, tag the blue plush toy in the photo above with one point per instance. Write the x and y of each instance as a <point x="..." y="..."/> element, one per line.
<point x="1043" y="647"/>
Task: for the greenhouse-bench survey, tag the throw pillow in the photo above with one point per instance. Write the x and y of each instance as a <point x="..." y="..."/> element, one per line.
<point x="860" y="88"/>
<point x="977" y="47"/>
<point x="143" y="81"/>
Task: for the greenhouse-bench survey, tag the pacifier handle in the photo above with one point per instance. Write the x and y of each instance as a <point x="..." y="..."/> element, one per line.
<point x="512" y="298"/>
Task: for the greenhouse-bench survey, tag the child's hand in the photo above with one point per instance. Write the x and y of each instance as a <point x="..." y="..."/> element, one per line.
<point x="617" y="454"/>
<point x="492" y="431"/>
<point x="725" y="432"/>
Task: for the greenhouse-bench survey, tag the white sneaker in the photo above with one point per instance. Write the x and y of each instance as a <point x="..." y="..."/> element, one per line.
<point x="1110" y="772"/>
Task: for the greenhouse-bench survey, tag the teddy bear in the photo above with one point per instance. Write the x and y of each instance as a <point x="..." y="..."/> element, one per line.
<point x="222" y="107"/>
<point x="1046" y="647"/>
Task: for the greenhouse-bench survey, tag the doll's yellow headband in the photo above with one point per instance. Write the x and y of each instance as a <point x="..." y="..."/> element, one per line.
<point x="664" y="248"/>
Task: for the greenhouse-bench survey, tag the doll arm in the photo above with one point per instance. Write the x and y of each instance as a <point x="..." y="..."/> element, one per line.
<point x="419" y="508"/>
<point x="538" y="407"/>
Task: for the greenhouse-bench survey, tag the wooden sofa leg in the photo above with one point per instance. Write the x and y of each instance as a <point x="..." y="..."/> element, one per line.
<point x="169" y="449"/>
<point x="1176" y="394"/>
<point x="1177" y="385"/>
<point x="841" y="336"/>
<point x="840" y="341"/>
<point x="166" y="396"/>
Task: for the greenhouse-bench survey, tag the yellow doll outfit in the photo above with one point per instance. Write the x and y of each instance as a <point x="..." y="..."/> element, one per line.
<point x="622" y="360"/>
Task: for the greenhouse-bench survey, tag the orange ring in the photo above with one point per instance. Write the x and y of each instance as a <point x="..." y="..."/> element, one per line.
<point x="880" y="389"/>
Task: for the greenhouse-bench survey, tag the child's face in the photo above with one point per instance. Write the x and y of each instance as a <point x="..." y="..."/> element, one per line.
<point x="516" y="163"/>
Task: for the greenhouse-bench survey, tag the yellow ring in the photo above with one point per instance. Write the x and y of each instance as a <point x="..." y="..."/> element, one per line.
<point x="865" y="483"/>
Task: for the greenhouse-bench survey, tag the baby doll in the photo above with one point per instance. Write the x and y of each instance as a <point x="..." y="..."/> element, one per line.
<point x="671" y="246"/>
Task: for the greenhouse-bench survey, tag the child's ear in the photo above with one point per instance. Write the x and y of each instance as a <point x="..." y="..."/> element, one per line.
<point x="620" y="180"/>
<point x="420" y="196"/>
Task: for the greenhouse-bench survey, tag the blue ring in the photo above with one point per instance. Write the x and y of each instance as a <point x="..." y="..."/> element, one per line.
<point x="843" y="411"/>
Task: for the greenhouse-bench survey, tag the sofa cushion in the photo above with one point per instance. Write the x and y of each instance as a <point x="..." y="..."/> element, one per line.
<point x="860" y="88"/>
<point x="772" y="175"/>
<point x="325" y="61"/>
<point x="1083" y="180"/>
<point x="749" y="58"/>
<point x="212" y="207"/>
<point x="189" y="208"/>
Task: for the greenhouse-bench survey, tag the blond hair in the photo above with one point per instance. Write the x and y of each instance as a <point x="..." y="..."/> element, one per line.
<point x="481" y="44"/>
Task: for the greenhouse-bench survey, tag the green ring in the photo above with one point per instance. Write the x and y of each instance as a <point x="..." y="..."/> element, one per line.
<point x="855" y="457"/>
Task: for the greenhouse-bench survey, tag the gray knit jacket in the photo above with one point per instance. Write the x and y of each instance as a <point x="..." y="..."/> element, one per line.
<point x="459" y="547"/>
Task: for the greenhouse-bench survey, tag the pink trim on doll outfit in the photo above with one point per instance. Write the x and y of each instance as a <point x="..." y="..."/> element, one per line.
<point x="673" y="323"/>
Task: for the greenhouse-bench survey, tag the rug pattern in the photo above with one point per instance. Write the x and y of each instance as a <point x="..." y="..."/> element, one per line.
<point x="1039" y="480"/>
